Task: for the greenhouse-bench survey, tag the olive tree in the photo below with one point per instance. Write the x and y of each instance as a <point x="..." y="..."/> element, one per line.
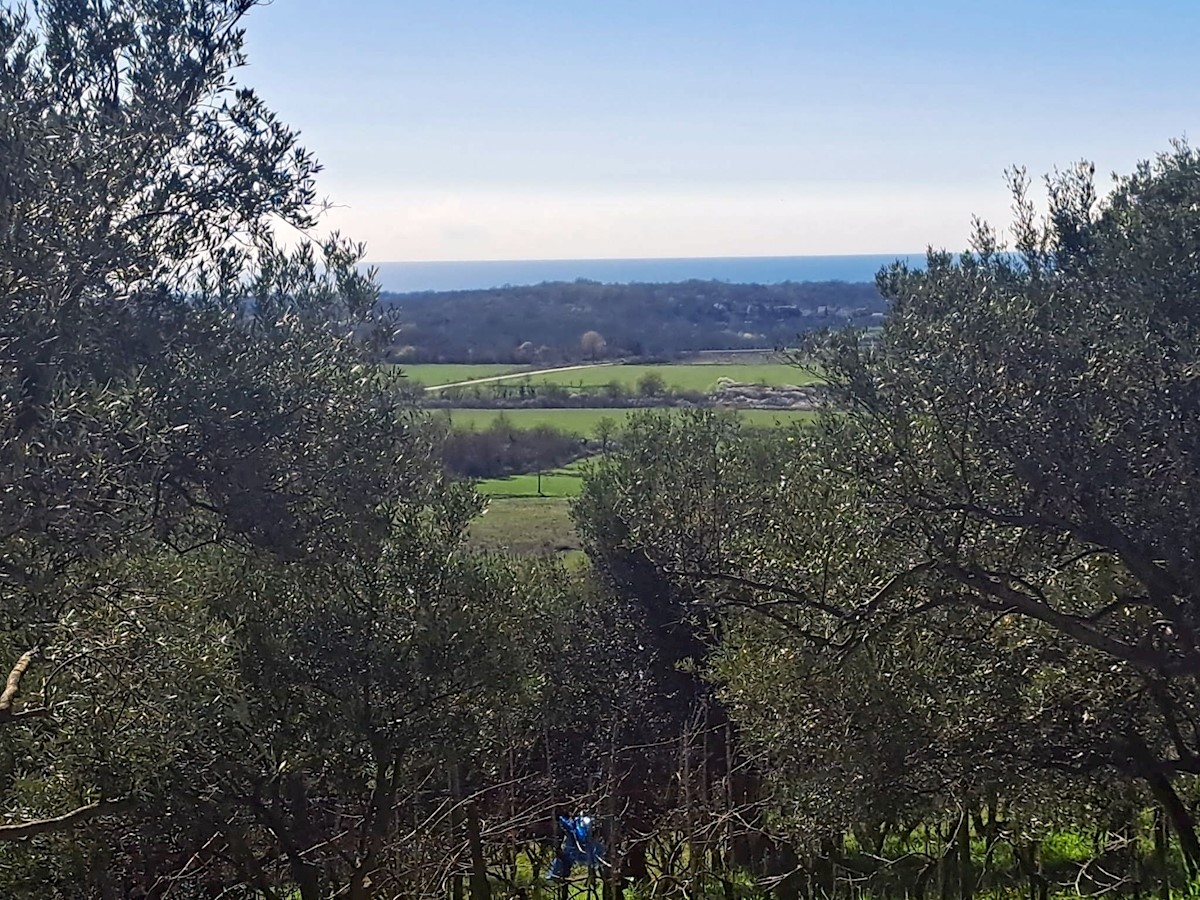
<point x="172" y="382"/>
<point x="1008" y="469"/>
<point x="1029" y="423"/>
<point x="862" y="705"/>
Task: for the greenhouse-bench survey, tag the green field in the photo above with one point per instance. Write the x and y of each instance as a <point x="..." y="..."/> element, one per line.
<point x="430" y="374"/>
<point x="518" y="520"/>
<point x="583" y="421"/>
<point x="564" y="482"/>
<point x="700" y="378"/>
<point x="526" y="525"/>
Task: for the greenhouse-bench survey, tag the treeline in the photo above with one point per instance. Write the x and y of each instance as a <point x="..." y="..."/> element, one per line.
<point x="546" y="323"/>
<point x="501" y="449"/>
<point x="650" y="387"/>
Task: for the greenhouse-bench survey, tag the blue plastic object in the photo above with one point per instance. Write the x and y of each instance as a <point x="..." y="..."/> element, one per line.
<point x="579" y="847"/>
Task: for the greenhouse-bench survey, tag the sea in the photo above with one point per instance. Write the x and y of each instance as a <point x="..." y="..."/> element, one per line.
<point x="406" y="277"/>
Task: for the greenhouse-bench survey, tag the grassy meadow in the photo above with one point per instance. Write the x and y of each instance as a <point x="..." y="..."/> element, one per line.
<point x="564" y="482"/>
<point x="689" y="377"/>
<point x="520" y="519"/>
<point x="536" y="525"/>
<point x="698" y="377"/>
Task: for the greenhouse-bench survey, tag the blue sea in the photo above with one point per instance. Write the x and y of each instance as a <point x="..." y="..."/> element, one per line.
<point x="402" y="277"/>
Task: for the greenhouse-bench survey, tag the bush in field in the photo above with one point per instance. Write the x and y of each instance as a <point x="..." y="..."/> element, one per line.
<point x="615" y="390"/>
<point x="651" y="384"/>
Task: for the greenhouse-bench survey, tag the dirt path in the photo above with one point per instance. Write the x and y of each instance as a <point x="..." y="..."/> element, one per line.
<point x="512" y="375"/>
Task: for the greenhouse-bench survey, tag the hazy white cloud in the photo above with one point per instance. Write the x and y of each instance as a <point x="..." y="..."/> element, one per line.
<point x="480" y="223"/>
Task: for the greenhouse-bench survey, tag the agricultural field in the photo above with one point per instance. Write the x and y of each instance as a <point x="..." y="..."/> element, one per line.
<point x="690" y="377"/>
<point x="583" y="421"/>
<point x="520" y="520"/>
<point x="526" y="525"/>
<point x="697" y="377"/>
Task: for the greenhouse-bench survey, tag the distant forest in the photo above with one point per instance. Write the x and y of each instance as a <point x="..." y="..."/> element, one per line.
<point x="545" y="323"/>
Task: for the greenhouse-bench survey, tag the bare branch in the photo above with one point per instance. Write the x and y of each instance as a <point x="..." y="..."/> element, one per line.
<point x="1073" y="626"/>
<point x="800" y="598"/>
<point x="64" y="822"/>
<point x="14" y="684"/>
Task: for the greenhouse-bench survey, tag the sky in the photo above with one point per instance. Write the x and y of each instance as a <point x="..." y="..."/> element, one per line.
<point x="567" y="129"/>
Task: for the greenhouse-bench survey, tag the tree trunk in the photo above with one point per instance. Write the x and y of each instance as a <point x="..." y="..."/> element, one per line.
<point x="1029" y="857"/>
<point x="614" y="888"/>
<point x="1161" y="841"/>
<point x="1181" y="820"/>
<point x="786" y="866"/>
<point x="287" y="827"/>
<point x="1174" y="809"/>
<point x="456" y="881"/>
<point x="634" y="863"/>
<point x="480" y="889"/>
<point x="375" y="826"/>
<point x="946" y="871"/>
<point x="966" y="876"/>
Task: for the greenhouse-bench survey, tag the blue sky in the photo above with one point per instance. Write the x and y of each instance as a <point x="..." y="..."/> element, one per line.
<point x="530" y="129"/>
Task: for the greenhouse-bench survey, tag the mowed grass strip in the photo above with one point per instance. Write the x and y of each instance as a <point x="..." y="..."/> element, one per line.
<point x="583" y="421"/>
<point x="565" y="482"/>
<point x="432" y="374"/>
<point x="699" y="377"/>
